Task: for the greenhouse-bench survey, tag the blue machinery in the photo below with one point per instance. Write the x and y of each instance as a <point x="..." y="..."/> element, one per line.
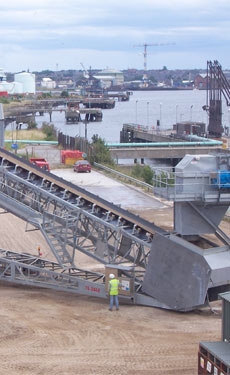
<point x="181" y="270"/>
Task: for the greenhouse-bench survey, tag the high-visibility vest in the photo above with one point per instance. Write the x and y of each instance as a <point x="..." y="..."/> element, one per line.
<point x="114" y="284"/>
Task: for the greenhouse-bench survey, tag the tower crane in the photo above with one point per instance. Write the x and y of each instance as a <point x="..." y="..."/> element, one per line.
<point x="145" y="45"/>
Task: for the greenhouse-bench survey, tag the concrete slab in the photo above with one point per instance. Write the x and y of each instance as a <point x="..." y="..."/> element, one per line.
<point x="126" y="196"/>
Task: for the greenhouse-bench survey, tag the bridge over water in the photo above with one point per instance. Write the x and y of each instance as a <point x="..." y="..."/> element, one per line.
<point x="141" y="142"/>
<point x="161" y="152"/>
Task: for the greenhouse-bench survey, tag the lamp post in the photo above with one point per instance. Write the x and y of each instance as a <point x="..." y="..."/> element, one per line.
<point x="12" y="130"/>
<point x="176" y="112"/>
<point x="191" y="119"/>
<point x="86" y="123"/>
<point x="147" y="113"/>
<point x="160" y="113"/>
<point x="2" y="126"/>
<point x="136" y="110"/>
<point x="191" y="112"/>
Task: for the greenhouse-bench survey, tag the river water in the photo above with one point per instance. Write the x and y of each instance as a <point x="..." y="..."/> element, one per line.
<point x="143" y="108"/>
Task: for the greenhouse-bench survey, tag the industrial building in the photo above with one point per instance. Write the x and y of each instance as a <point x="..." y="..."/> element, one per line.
<point x="48" y="83"/>
<point x="27" y="80"/>
<point x="110" y="77"/>
<point x="24" y="83"/>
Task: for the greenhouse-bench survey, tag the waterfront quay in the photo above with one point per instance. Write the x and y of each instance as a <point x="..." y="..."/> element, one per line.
<point x="140" y="142"/>
<point x="170" y="152"/>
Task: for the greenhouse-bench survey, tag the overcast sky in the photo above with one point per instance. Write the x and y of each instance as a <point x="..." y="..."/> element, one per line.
<point x="61" y="34"/>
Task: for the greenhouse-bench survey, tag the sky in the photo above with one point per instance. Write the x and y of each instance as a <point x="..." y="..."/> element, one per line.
<point x="37" y="35"/>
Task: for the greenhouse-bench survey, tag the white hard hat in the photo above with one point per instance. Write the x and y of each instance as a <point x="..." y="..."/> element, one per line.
<point x="111" y="276"/>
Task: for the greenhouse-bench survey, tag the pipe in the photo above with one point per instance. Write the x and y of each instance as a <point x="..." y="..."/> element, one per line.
<point x="33" y="142"/>
<point x="165" y="144"/>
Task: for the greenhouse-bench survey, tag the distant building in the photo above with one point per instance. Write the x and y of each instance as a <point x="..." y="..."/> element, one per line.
<point x="110" y="77"/>
<point x="11" y="88"/>
<point x="66" y="84"/>
<point x="27" y="80"/>
<point x="190" y="128"/>
<point x="48" y="83"/>
<point x="24" y="83"/>
<point x="201" y="82"/>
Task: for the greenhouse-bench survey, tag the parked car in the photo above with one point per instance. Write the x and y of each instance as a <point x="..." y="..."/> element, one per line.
<point x="82" y="166"/>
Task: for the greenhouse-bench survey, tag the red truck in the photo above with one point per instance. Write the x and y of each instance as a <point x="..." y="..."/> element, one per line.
<point x="41" y="163"/>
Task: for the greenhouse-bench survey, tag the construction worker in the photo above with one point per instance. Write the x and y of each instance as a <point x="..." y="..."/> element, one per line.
<point x="39" y="251"/>
<point x="114" y="285"/>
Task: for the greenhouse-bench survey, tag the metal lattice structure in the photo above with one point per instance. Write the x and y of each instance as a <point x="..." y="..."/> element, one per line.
<point x="73" y="220"/>
<point x="216" y="87"/>
<point x="160" y="266"/>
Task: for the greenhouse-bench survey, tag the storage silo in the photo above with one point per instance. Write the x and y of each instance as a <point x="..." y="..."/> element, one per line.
<point x="15" y="88"/>
<point x="27" y="80"/>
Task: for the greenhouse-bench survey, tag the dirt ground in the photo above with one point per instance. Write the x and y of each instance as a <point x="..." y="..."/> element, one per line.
<point x="48" y="332"/>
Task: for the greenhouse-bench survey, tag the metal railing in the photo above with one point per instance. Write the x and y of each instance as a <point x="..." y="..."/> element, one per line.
<point x="125" y="177"/>
<point x="182" y="186"/>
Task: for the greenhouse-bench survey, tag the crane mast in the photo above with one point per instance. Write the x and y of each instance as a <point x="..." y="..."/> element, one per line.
<point x="145" y="45"/>
<point x="217" y="86"/>
<point x="85" y="72"/>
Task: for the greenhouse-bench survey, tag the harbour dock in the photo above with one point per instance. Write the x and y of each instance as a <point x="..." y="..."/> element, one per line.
<point x="140" y="142"/>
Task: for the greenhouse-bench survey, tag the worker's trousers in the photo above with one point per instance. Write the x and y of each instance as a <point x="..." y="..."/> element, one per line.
<point x="113" y="301"/>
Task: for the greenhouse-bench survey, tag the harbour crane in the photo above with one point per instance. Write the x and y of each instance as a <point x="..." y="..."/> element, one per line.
<point x="85" y="72"/>
<point x="145" y="45"/>
<point x="217" y="86"/>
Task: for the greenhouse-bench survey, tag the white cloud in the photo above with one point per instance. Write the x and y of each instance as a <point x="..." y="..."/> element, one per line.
<point x="39" y="34"/>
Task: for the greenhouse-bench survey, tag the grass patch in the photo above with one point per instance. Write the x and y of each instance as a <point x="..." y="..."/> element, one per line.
<point x="128" y="170"/>
<point x="30" y="135"/>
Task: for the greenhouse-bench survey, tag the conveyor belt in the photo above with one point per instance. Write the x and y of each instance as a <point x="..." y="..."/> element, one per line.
<point x="23" y="167"/>
<point x="71" y="218"/>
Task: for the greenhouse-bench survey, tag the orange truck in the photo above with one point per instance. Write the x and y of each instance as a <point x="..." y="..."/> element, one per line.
<point x="41" y="163"/>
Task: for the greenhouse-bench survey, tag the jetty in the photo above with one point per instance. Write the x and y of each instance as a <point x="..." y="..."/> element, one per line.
<point x="86" y="109"/>
<point x="83" y="115"/>
<point x="141" y="142"/>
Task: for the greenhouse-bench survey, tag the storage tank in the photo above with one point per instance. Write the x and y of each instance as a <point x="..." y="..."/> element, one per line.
<point x="14" y="88"/>
<point x="28" y="81"/>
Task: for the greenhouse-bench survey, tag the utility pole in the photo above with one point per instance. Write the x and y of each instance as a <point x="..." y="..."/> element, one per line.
<point x="2" y="126"/>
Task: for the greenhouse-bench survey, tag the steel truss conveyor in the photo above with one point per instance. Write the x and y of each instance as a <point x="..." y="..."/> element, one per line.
<point x="71" y="220"/>
<point x="156" y="268"/>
